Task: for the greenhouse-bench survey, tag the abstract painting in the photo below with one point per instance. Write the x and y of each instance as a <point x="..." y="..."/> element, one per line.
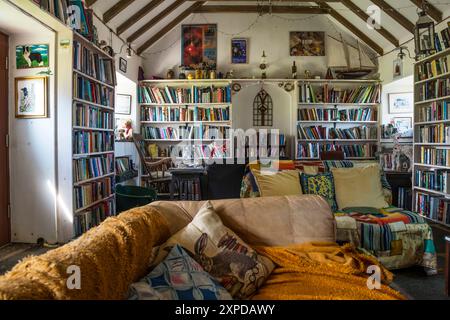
<point x="309" y="44"/>
<point x="199" y="46"/>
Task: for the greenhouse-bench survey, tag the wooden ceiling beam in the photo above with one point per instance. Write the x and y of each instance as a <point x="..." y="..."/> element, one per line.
<point x="116" y="9"/>
<point x="365" y="17"/>
<point x="155" y="20"/>
<point x="433" y="12"/>
<point x="138" y="16"/>
<point x="394" y="14"/>
<point x="275" y="1"/>
<point x="259" y="9"/>
<point x="170" y="26"/>
<point x="372" y="44"/>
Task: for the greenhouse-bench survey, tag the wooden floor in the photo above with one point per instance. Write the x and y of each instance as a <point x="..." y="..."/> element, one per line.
<point x="13" y="253"/>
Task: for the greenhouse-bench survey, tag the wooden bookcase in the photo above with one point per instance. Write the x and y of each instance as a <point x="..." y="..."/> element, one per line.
<point x="188" y="125"/>
<point x="334" y="121"/>
<point x="93" y="162"/>
<point x="431" y="153"/>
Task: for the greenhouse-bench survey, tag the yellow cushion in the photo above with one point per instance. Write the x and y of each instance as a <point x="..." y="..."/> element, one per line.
<point x="283" y="183"/>
<point x="358" y="187"/>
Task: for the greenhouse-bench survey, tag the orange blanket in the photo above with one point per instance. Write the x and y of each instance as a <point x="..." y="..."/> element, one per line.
<point x="322" y="271"/>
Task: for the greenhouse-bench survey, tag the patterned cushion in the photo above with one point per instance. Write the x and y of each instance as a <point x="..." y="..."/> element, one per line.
<point x="328" y="164"/>
<point x="322" y="185"/>
<point x="178" y="277"/>
<point x="239" y="268"/>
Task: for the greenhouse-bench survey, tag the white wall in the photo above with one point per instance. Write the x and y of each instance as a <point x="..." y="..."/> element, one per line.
<point x="399" y="86"/>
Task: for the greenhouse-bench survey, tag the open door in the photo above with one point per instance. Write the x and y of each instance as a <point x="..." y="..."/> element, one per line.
<point x="5" y="225"/>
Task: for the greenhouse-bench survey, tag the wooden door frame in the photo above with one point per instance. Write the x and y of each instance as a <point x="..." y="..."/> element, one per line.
<point x="8" y="212"/>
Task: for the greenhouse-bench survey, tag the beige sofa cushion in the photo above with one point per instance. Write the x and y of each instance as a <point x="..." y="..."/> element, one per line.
<point x="281" y="183"/>
<point x="269" y="221"/>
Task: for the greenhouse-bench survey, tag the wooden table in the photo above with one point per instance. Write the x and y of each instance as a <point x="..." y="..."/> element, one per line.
<point x="447" y="266"/>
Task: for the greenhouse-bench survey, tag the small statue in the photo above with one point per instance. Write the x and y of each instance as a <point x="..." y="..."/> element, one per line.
<point x="294" y="71"/>
<point x="307" y="74"/>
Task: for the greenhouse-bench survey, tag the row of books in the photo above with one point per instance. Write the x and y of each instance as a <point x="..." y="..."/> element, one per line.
<point x="184" y="114"/>
<point x="92" y="64"/>
<point x="436" y="111"/>
<point x="436" y="133"/>
<point x="171" y="95"/>
<point x="319" y="114"/>
<point x="186" y="132"/>
<point x="327" y="94"/>
<point x="92" y="91"/>
<point x="59" y="9"/>
<point x="92" y="117"/>
<point x="190" y="190"/>
<point x="434" y="89"/>
<point x="404" y="198"/>
<point x="313" y="150"/>
<point x="433" y="207"/>
<point x="91" y="142"/>
<point x="329" y="133"/>
<point x="90" y="168"/>
<point x="93" y="217"/>
<point x="123" y="165"/>
<point x="437" y="180"/>
<point x="441" y="40"/>
<point x="433" y="68"/>
<point x="434" y="156"/>
<point x="89" y="193"/>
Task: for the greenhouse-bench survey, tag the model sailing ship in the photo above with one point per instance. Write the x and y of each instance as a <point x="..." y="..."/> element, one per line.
<point x="348" y="62"/>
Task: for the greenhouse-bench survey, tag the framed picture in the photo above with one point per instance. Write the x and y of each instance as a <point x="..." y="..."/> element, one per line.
<point x="398" y="68"/>
<point x="308" y="44"/>
<point x="32" y="56"/>
<point x="123" y="104"/>
<point x="403" y="124"/>
<point x="123" y="65"/>
<point x="31" y="97"/>
<point x="401" y="102"/>
<point x="199" y="45"/>
<point x="239" y="51"/>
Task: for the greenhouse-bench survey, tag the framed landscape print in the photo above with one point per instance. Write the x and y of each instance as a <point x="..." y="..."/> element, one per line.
<point x="32" y="56"/>
<point x="123" y="104"/>
<point x="31" y="97"/>
<point x="403" y="124"/>
<point x="199" y="45"/>
<point x="239" y="51"/>
<point x="401" y="102"/>
<point x="307" y="44"/>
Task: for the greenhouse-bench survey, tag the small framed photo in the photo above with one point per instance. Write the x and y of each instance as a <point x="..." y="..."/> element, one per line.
<point x="403" y="124"/>
<point x="31" y="97"/>
<point x="401" y="102"/>
<point x="123" y="104"/>
<point x="239" y="51"/>
<point x="123" y="65"/>
<point x="32" y="56"/>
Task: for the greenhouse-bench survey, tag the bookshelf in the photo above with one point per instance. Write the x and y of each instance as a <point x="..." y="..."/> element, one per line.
<point x="193" y="117"/>
<point x="93" y="160"/>
<point x="431" y="170"/>
<point x="337" y="115"/>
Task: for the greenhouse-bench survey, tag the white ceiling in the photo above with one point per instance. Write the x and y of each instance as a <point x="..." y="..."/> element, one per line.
<point x="405" y="7"/>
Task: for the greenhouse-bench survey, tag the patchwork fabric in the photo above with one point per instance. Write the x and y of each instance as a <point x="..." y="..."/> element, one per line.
<point x="322" y="185"/>
<point x="178" y="277"/>
<point x="221" y="253"/>
<point x="397" y="238"/>
<point x="328" y="164"/>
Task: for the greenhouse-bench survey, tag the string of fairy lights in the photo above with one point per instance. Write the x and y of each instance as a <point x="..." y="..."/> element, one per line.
<point x="264" y="4"/>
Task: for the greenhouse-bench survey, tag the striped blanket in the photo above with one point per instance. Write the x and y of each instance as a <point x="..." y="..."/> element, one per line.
<point x="398" y="238"/>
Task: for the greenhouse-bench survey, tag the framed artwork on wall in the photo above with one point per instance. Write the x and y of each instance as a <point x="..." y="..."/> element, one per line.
<point x="239" y="51"/>
<point x="401" y="102"/>
<point x="308" y="44"/>
<point x="123" y="64"/>
<point x="199" y="45"/>
<point x="31" y="97"/>
<point x="32" y="56"/>
<point x="123" y="104"/>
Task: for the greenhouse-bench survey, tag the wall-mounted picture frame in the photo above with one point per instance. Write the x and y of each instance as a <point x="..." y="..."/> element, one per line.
<point x="401" y="102"/>
<point x="123" y="104"/>
<point x="404" y="126"/>
<point x="307" y="44"/>
<point x="239" y="51"/>
<point x="199" y="45"/>
<point x="31" y="97"/>
<point x="123" y="65"/>
<point x="32" y="56"/>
